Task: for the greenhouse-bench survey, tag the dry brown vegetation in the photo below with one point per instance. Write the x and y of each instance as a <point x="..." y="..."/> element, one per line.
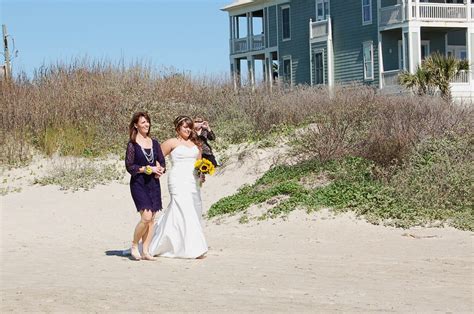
<point x="84" y="108"/>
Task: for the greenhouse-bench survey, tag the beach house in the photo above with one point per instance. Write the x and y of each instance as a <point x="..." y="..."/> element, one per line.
<point x="343" y="41"/>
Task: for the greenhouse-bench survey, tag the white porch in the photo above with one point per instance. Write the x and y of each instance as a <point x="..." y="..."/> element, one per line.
<point x="427" y="13"/>
<point x="416" y="43"/>
<point x="462" y="86"/>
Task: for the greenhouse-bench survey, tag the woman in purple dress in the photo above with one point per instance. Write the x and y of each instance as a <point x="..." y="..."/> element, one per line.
<point x="145" y="162"/>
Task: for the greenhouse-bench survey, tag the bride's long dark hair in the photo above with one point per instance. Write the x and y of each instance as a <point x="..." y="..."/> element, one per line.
<point x="185" y="120"/>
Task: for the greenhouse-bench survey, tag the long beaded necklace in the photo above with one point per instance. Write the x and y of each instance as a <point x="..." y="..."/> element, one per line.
<point x="150" y="157"/>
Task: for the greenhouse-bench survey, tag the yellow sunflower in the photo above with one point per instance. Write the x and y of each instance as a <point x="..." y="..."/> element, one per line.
<point x="204" y="166"/>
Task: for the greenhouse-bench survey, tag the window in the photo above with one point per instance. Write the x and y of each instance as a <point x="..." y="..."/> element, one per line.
<point x="366" y="12"/>
<point x="458" y="52"/>
<point x="318" y="68"/>
<point x="287" y="70"/>
<point x="322" y="10"/>
<point x="285" y="17"/>
<point x="425" y="49"/>
<point x="368" y="51"/>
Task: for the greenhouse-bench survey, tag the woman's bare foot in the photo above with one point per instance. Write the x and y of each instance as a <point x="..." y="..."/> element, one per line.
<point x="203" y="256"/>
<point x="148" y="257"/>
<point x="135" y="252"/>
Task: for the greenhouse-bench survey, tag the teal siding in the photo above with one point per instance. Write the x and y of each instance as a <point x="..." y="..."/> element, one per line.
<point x="298" y="46"/>
<point x="390" y="49"/>
<point x="386" y="3"/>
<point x="457" y="38"/>
<point x="316" y="47"/>
<point x="348" y="37"/>
<point x="272" y="27"/>
<point x="437" y="41"/>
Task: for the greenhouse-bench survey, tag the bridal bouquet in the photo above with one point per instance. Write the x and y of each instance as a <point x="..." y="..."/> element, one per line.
<point x="204" y="166"/>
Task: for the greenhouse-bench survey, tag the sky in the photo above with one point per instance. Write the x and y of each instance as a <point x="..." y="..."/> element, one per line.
<point x="186" y="35"/>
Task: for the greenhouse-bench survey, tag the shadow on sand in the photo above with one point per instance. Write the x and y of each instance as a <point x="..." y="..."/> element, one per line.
<point x="118" y="253"/>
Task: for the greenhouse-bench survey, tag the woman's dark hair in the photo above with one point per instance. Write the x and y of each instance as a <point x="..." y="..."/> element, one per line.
<point x="185" y="120"/>
<point x="133" y="130"/>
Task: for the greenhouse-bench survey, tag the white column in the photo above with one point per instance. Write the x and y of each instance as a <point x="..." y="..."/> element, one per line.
<point x="235" y="71"/>
<point x="330" y="56"/>
<point x="379" y="5"/>
<point x="469" y="12"/>
<point x="310" y="54"/>
<point x="414" y="47"/>
<point x="251" y="68"/>
<point x="236" y="27"/>
<point x="269" y="69"/>
<point x="248" y="30"/>
<point x="405" y="44"/>
<point x="264" y="28"/>
<point x="404" y="10"/>
<point x="417" y="9"/>
<point x="231" y="31"/>
<point x="380" y="50"/>
<point x="470" y="50"/>
<point x="408" y="9"/>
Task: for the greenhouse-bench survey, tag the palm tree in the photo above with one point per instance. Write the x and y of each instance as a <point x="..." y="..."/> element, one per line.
<point x="437" y="71"/>
<point x="420" y="82"/>
<point x="445" y="70"/>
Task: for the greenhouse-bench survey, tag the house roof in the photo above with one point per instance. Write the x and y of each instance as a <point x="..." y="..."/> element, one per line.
<point x="240" y="3"/>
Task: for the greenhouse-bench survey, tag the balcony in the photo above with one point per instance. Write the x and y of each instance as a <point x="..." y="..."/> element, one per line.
<point x="319" y="29"/>
<point x="241" y="45"/>
<point x="425" y="12"/>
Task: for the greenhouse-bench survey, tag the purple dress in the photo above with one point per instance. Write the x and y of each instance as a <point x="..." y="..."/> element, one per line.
<point x="146" y="190"/>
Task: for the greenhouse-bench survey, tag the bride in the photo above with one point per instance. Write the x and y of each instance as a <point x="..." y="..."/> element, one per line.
<point x="178" y="231"/>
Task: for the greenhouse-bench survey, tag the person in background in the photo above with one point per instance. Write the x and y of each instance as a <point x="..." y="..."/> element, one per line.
<point x="205" y="134"/>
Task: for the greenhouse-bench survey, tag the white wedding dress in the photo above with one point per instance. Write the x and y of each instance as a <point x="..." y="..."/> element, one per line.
<point x="178" y="231"/>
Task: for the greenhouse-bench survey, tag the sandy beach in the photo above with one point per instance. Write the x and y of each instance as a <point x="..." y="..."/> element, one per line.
<point x="60" y="252"/>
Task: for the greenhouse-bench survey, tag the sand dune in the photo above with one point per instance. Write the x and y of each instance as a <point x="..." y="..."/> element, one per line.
<point x="59" y="253"/>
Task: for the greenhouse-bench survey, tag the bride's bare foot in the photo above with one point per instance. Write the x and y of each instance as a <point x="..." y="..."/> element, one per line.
<point x="203" y="256"/>
<point x="148" y="257"/>
<point x="135" y="253"/>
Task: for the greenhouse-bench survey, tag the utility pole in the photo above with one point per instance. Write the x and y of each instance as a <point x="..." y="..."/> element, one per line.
<point x="6" y="52"/>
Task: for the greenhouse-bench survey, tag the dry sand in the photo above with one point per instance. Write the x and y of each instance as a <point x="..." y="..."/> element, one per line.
<point x="60" y="253"/>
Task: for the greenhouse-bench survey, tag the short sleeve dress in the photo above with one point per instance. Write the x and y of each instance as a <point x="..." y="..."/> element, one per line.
<point x="145" y="189"/>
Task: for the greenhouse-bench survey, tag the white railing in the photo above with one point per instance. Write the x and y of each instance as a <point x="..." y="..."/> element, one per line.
<point x="319" y="29"/>
<point x="439" y="12"/>
<point x="240" y="45"/>
<point x="390" y="78"/>
<point x="391" y="15"/>
<point x="462" y="77"/>
<point x="435" y="11"/>
<point x="258" y="42"/>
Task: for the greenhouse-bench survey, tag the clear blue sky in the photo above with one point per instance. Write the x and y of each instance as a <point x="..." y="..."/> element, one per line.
<point x="189" y="35"/>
